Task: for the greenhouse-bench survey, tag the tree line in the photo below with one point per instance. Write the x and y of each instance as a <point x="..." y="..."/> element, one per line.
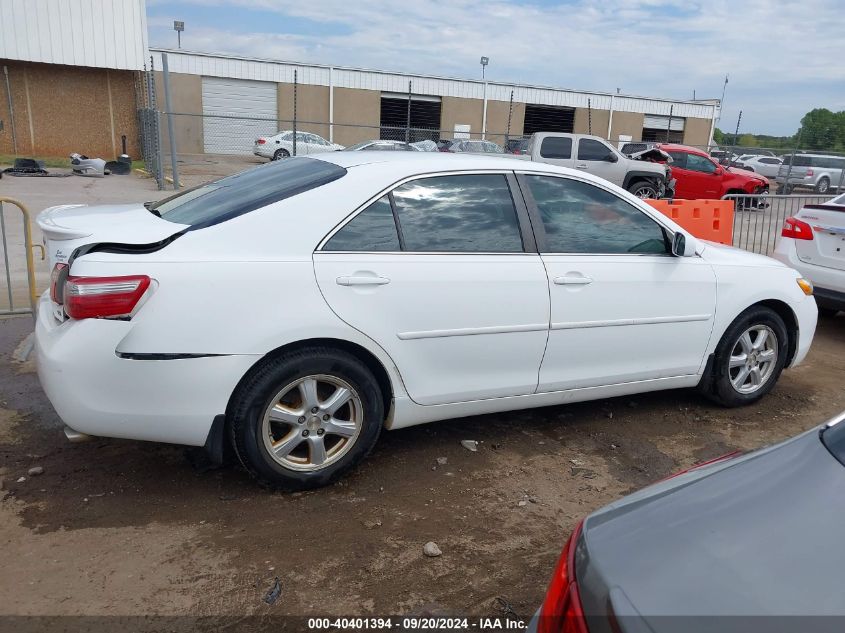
<point x="820" y="130"/>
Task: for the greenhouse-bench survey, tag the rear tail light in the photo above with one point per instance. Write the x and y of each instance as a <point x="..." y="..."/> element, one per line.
<point x="796" y="229"/>
<point x="56" y="282"/>
<point x="561" y="611"/>
<point x="260" y="141"/>
<point x="809" y="172"/>
<point x="97" y="297"/>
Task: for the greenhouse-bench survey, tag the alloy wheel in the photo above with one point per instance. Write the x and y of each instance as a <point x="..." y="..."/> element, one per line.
<point x="645" y="191"/>
<point x="312" y="422"/>
<point x="753" y="359"/>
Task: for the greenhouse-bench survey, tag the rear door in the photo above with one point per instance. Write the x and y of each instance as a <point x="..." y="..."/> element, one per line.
<point x="443" y="274"/>
<point x="827" y="248"/>
<point x="599" y="159"/>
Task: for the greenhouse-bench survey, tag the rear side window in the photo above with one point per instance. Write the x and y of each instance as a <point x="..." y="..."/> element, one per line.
<point x="472" y="213"/>
<point x="581" y="218"/>
<point x="227" y="198"/>
<point x="556" y="147"/>
<point x="371" y="230"/>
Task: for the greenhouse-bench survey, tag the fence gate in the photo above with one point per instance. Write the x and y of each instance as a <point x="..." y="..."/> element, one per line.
<point x="20" y="295"/>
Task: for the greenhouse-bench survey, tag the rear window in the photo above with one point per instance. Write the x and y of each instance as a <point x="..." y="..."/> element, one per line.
<point x="556" y="147"/>
<point x="227" y="198"/>
<point x="834" y="440"/>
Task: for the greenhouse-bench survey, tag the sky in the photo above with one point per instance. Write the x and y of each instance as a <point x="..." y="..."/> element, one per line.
<point x="782" y="58"/>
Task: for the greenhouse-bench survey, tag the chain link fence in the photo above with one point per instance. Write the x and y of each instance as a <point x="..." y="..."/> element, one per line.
<point x="149" y="125"/>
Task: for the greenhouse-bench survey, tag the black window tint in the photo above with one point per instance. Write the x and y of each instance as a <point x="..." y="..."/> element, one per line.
<point x="371" y="230"/>
<point x="700" y="163"/>
<point x="471" y="213"/>
<point x="581" y="218"/>
<point x="556" y="147"/>
<point x="588" y="149"/>
<point x="229" y="197"/>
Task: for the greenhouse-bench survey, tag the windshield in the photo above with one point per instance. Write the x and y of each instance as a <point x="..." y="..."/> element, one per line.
<point x="227" y="198"/>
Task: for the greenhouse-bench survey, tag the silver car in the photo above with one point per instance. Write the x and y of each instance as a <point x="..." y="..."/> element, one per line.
<point x="819" y="172"/>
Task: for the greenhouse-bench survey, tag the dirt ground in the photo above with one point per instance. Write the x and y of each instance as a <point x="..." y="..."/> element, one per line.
<point x="133" y="529"/>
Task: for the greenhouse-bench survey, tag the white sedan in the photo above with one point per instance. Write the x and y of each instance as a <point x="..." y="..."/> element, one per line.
<point x="297" y="308"/>
<point x="281" y="145"/>
<point x="813" y="242"/>
<point x="764" y="165"/>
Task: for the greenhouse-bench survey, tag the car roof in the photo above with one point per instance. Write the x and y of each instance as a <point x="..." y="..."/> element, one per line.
<point x="419" y="162"/>
<point x="673" y="147"/>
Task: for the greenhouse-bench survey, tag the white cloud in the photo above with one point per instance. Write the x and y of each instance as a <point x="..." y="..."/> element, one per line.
<point x="780" y="62"/>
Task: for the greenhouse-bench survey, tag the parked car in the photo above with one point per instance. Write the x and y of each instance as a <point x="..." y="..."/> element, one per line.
<point x="296" y="308"/>
<point x="813" y="242"/>
<point x="474" y="147"/>
<point x="698" y="176"/>
<point x="818" y="172"/>
<point x="382" y="146"/>
<point x="426" y="145"/>
<point x="594" y="155"/>
<point x="517" y="146"/>
<point x="764" y="165"/>
<point x="723" y="157"/>
<point x="281" y="145"/>
<point x="727" y="545"/>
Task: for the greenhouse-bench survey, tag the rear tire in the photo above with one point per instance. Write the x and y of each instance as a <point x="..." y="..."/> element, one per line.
<point x="823" y="185"/>
<point x="279" y="154"/>
<point x="286" y="426"/>
<point x="744" y="367"/>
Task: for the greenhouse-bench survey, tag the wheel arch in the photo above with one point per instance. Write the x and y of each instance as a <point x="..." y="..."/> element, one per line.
<point x="636" y="175"/>
<point x="372" y="362"/>
<point x="785" y="312"/>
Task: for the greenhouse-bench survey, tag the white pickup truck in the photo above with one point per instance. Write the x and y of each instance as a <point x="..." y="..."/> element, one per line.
<point x="639" y="173"/>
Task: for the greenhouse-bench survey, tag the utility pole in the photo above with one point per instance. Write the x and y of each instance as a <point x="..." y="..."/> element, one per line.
<point x="736" y="133"/>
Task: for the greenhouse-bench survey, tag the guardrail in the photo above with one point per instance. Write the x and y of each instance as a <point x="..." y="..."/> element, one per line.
<point x="30" y="263"/>
<point x="758" y="219"/>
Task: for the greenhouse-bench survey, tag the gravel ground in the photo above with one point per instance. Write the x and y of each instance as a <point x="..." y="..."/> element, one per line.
<point x="128" y="528"/>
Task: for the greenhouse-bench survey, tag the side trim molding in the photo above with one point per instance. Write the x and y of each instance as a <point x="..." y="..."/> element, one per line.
<point x="473" y="331"/>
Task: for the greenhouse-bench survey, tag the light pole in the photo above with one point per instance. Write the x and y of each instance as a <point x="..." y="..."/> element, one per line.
<point x="178" y="26"/>
<point x="484" y="62"/>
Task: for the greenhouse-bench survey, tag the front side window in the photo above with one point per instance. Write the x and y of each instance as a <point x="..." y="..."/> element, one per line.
<point x="700" y="163"/>
<point x="582" y="218"/>
<point x="462" y="213"/>
<point x="556" y="147"/>
<point x="589" y="149"/>
<point x="374" y="229"/>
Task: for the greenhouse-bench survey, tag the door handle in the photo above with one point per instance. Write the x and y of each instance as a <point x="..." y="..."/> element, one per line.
<point x="573" y="280"/>
<point x="362" y="280"/>
<point x="581" y="166"/>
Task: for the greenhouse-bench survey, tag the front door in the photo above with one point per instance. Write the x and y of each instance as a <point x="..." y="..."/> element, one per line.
<point x="623" y="309"/>
<point x="599" y="159"/>
<point x="697" y="177"/>
<point x="437" y="274"/>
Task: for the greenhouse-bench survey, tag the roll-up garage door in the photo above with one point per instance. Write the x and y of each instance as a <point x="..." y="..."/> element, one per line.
<point x="425" y="117"/>
<point x="236" y="112"/>
<point x="663" y="128"/>
<point x="545" y="118"/>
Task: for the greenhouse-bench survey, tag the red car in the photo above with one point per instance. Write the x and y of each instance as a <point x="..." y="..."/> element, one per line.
<point x="700" y="177"/>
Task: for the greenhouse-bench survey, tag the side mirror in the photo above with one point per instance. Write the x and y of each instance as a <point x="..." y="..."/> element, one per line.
<point x="681" y="246"/>
<point x="612" y="158"/>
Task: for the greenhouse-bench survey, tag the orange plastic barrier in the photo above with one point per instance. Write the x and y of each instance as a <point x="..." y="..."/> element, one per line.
<point x="707" y="219"/>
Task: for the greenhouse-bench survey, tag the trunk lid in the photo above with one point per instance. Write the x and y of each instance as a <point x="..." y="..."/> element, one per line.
<point x="68" y="227"/>
<point x="827" y="248"/>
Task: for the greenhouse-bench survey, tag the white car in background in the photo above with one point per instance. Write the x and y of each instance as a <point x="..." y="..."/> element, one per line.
<point x="764" y="165"/>
<point x="281" y="145"/>
<point x="297" y="308"/>
<point x="813" y="242"/>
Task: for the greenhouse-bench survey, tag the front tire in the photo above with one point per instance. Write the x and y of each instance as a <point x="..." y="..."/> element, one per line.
<point x="749" y="359"/>
<point x="644" y="189"/>
<point x="303" y="419"/>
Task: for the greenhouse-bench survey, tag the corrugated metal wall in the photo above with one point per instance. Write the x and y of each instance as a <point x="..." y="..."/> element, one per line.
<point x="269" y="70"/>
<point x="95" y="33"/>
